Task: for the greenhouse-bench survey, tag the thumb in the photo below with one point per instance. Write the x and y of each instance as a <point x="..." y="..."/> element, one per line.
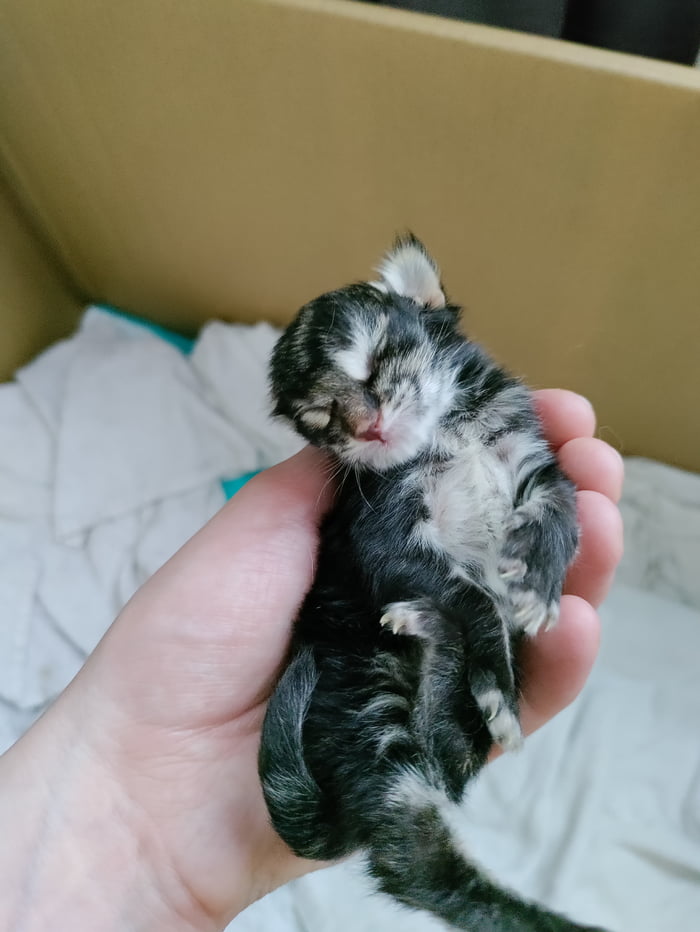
<point x="212" y="625"/>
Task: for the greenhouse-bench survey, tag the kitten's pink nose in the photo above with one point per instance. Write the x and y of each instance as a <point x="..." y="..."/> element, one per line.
<point x="374" y="431"/>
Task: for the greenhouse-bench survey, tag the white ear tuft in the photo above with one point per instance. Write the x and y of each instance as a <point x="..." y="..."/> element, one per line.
<point x="408" y="270"/>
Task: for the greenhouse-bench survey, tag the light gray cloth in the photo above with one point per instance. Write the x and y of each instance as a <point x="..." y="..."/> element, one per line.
<point x="113" y="448"/>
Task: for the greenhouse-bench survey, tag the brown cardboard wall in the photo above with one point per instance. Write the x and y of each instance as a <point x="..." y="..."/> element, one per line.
<point x="37" y="303"/>
<point x="233" y="159"/>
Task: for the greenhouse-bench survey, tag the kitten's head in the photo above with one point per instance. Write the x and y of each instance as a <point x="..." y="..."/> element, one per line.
<point x="367" y="371"/>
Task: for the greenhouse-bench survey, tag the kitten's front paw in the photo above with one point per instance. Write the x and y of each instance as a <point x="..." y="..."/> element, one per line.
<point x="531" y="613"/>
<point x="531" y="585"/>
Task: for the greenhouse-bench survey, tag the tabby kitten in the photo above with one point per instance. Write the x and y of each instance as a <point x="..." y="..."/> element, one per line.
<point x="450" y="537"/>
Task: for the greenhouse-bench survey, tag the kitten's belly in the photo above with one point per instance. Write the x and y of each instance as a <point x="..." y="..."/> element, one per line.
<point x="468" y="504"/>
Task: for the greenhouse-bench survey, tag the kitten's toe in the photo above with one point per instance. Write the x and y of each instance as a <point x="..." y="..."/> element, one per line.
<point x="503" y="724"/>
<point x="552" y="615"/>
<point x="531" y="612"/>
<point x="512" y="569"/>
<point x="404" y="618"/>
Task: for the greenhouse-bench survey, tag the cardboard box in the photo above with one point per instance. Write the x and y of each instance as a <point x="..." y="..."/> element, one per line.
<point x="234" y="158"/>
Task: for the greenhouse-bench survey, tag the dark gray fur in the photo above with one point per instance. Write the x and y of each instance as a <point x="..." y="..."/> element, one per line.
<point x="449" y="538"/>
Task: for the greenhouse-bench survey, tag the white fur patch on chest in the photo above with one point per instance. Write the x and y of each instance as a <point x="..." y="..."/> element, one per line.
<point x="468" y="502"/>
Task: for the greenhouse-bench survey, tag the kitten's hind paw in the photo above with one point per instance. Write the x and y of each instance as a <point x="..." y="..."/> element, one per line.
<point x="500" y="721"/>
<point x="408" y="618"/>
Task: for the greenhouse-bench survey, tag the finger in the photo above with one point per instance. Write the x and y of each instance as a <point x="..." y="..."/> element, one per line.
<point x="600" y="550"/>
<point x="258" y="552"/>
<point x="564" y="415"/>
<point x="593" y="465"/>
<point x="298" y="489"/>
<point x="556" y="663"/>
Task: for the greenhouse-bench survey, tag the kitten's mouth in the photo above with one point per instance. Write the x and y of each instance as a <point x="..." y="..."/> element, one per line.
<point x="372" y="430"/>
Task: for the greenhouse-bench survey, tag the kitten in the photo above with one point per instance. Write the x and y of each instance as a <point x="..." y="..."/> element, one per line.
<point x="450" y="537"/>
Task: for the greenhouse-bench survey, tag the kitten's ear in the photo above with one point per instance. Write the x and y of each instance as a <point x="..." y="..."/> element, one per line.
<point x="408" y="270"/>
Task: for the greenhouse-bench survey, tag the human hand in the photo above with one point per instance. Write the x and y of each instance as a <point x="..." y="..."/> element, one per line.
<point x="158" y="809"/>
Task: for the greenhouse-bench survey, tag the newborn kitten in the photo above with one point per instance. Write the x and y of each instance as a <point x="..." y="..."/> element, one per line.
<point x="450" y="536"/>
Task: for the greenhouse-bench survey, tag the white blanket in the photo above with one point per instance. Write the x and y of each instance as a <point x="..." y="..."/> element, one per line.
<point x="113" y="448"/>
<point x="113" y="445"/>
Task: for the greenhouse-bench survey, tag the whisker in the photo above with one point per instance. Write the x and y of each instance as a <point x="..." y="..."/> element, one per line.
<point x="335" y="468"/>
<point x="345" y="476"/>
<point x="359" y="488"/>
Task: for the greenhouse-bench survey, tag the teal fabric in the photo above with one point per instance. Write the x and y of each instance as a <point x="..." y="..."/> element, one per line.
<point x="231" y="486"/>
<point x="184" y="344"/>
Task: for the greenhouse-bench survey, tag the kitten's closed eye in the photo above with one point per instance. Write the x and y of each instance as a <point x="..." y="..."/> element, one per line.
<point x="355" y="361"/>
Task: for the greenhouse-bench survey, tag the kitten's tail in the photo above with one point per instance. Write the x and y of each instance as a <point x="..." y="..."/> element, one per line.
<point x="417" y="858"/>
<point x="409" y="836"/>
<point x="294" y="799"/>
